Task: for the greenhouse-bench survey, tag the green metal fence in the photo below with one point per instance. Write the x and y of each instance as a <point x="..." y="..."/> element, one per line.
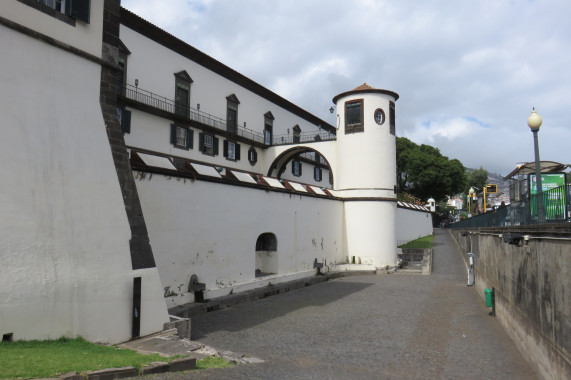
<point x="556" y="203"/>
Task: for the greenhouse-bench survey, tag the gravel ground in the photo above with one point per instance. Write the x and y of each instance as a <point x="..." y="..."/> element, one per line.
<point x="397" y="326"/>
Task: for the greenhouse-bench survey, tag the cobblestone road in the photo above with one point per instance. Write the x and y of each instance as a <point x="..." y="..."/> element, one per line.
<point x="398" y="326"/>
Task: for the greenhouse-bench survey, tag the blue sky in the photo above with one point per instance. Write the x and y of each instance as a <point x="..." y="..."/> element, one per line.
<point x="468" y="72"/>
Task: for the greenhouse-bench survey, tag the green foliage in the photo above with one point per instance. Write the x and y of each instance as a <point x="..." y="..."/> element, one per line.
<point x="424" y="172"/>
<point x="51" y="358"/>
<point x="477" y="179"/>
<point x="212" y="362"/>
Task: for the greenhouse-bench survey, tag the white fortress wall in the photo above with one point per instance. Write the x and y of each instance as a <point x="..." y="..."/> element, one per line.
<point x="210" y="229"/>
<point x="64" y="234"/>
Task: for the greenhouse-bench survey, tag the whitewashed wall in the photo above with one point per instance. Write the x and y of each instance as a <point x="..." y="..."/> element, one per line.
<point x="86" y="37"/>
<point x="154" y="66"/>
<point x="64" y="234"/>
<point x="307" y="175"/>
<point x="208" y="229"/>
<point x="411" y="224"/>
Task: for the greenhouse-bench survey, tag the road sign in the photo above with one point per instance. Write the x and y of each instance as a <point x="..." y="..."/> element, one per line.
<point x="491" y="188"/>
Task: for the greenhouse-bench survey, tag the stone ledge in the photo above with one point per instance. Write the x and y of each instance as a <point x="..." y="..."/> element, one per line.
<point x="183" y="364"/>
<point x="155" y="367"/>
<point x="112" y="373"/>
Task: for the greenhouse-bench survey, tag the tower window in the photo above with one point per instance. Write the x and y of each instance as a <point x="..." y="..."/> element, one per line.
<point x="392" y="117"/>
<point x="354" y="116"/>
<point x="379" y="116"/>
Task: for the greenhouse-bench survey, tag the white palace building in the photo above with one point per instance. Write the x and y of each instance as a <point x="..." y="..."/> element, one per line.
<point x="136" y="167"/>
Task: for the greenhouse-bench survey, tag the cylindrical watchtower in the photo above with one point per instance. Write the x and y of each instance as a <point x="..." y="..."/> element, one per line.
<point x="366" y="172"/>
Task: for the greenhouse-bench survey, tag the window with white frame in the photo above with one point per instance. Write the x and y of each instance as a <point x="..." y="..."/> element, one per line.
<point x="232" y="103"/>
<point x="208" y="144"/>
<point x="317" y="173"/>
<point x="296" y="168"/>
<point x="231" y="150"/>
<point x="182" y="93"/>
<point x="64" y="10"/>
<point x="268" y="128"/>
<point x="252" y="156"/>
<point x="181" y="137"/>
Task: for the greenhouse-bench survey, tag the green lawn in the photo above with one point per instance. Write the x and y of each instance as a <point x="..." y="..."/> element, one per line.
<point x="423" y="242"/>
<point x="29" y="359"/>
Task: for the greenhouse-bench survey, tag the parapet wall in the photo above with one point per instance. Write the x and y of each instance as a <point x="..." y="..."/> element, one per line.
<point x="532" y="294"/>
<point x="412" y="224"/>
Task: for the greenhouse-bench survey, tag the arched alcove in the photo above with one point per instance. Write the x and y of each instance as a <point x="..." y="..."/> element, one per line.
<point x="266" y="255"/>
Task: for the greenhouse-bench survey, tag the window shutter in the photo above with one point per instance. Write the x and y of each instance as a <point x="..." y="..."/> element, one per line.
<point x="300" y="166"/>
<point x="126" y="121"/>
<point x="237" y="152"/>
<point x="173" y="134"/>
<point x="78" y="9"/>
<point x="293" y="167"/>
<point x="189" y="138"/>
<point x="215" y="143"/>
<point x="225" y="148"/>
<point x="201" y="142"/>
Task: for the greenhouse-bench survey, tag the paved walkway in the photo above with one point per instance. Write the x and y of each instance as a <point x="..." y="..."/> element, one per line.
<point x="397" y="326"/>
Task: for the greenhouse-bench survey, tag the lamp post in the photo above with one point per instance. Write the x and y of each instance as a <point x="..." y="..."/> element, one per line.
<point x="471" y="192"/>
<point x="534" y="122"/>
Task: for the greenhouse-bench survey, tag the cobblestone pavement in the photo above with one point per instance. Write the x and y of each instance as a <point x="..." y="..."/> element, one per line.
<point x="397" y="326"/>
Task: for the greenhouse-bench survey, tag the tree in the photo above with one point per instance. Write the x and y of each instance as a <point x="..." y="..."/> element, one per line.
<point x="424" y="172"/>
<point x="476" y="178"/>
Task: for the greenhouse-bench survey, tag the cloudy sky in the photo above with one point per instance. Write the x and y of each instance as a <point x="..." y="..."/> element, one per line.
<point x="468" y="72"/>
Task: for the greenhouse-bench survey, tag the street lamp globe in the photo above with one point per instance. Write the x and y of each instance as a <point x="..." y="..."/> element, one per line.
<point x="471" y="191"/>
<point x="534" y="121"/>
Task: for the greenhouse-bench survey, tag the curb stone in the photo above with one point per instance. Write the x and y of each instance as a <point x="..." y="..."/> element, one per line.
<point x="182" y="364"/>
<point x="112" y="373"/>
<point x="155" y="367"/>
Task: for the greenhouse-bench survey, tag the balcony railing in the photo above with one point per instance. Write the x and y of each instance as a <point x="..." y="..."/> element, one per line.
<point x="168" y="105"/>
<point x="305" y="137"/>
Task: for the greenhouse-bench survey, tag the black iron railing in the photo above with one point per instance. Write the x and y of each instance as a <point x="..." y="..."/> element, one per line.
<point x="556" y="203"/>
<point x="305" y="137"/>
<point x="171" y="106"/>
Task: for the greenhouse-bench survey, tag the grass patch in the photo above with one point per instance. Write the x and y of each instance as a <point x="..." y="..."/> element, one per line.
<point x="51" y="358"/>
<point x="211" y="362"/>
<point x="423" y="242"/>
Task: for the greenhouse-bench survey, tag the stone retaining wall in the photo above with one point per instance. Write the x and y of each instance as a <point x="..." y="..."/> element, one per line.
<point x="533" y="298"/>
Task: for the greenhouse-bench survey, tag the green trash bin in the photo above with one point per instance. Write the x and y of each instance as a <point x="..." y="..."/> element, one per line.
<point x="489" y="297"/>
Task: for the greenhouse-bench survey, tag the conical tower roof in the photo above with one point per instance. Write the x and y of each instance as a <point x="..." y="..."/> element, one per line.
<point x="365" y="88"/>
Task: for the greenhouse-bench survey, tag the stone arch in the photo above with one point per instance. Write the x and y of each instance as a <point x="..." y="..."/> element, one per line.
<point x="279" y="163"/>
